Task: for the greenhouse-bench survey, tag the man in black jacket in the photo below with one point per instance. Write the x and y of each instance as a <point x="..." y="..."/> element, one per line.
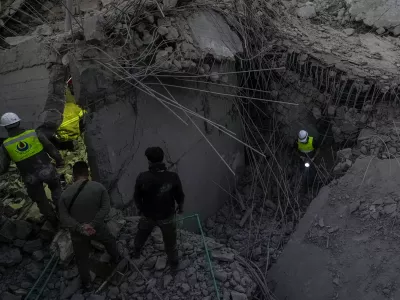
<point x="156" y="193"/>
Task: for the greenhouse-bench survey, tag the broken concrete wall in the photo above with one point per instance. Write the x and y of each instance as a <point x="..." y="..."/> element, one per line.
<point x="118" y="134"/>
<point x="32" y="84"/>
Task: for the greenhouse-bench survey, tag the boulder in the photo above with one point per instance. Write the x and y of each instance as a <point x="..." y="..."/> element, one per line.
<point x="349" y="31"/>
<point x="307" y="11"/>
<point x="396" y="31"/>
<point x="238" y="296"/>
<point x="34" y="270"/>
<point x="22" y="229"/>
<point x="169" y="3"/>
<point x="7" y="231"/>
<point x="316" y="113"/>
<point x="380" y="30"/>
<point x="96" y="297"/>
<point x="113" y="292"/>
<point x="32" y="246"/>
<point x="10" y="257"/>
<point x="9" y="296"/>
<point x="72" y="288"/>
<point x="93" y="28"/>
<point x="161" y="263"/>
<point x="162" y="30"/>
<point x="226" y="257"/>
<point x="38" y="255"/>
<point x="62" y="244"/>
<point x="173" y="33"/>
<point x="344" y="154"/>
<point x="44" y="30"/>
<point x="221" y="276"/>
<point x="115" y="226"/>
<point x="78" y="297"/>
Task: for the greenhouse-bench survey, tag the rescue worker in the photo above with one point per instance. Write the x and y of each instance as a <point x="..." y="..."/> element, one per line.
<point x="83" y="208"/>
<point x="30" y="150"/>
<point x="157" y="192"/>
<point x="307" y="145"/>
<point x="308" y="148"/>
<point x="72" y="124"/>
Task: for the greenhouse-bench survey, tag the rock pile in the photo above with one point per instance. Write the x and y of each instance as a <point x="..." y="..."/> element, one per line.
<point x="193" y="280"/>
<point x="383" y="143"/>
<point x="165" y="41"/>
<point x="150" y="279"/>
<point x="249" y="225"/>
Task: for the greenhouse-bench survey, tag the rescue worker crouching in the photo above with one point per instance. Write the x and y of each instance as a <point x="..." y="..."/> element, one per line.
<point x="157" y="192"/>
<point x="307" y="146"/>
<point x="30" y="150"/>
<point x="308" y="149"/>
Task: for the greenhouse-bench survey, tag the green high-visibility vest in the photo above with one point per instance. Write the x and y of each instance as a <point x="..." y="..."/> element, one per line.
<point x="23" y="146"/>
<point x="306" y="147"/>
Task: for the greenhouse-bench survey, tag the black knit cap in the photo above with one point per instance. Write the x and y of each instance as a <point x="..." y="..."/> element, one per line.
<point x="154" y="154"/>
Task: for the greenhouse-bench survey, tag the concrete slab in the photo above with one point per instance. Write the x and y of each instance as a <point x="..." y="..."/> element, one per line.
<point x="354" y="254"/>
<point x="376" y="13"/>
<point x="212" y="34"/>
<point x="118" y="134"/>
<point x="27" y="86"/>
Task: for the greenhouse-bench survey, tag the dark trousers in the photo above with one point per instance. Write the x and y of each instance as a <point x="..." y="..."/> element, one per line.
<point x="168" y="229"/>
<point x="82" y="249"/>
<point x="37" y="194"/>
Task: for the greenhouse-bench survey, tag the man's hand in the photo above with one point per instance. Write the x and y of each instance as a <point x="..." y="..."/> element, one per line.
<point x="87" y="230"/>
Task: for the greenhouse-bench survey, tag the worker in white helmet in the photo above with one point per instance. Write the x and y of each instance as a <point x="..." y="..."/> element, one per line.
<point x="307" y="145"/>
<point x="30" y="151"/>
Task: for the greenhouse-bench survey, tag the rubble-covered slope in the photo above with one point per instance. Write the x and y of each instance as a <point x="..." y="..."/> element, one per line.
<point x="22" y="262"/>
<point x="346" y="245"/>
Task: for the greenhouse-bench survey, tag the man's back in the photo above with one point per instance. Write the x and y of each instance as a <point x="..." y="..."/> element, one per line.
<point x="88" y="203"/>
<point x="157" y="192"/>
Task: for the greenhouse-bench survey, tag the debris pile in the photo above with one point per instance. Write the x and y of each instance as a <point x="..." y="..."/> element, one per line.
<point x="348" y="230"/>
<point x="194" y="277"/>
<point x="149" y="278"/>
<point x="380" y="142"/>
<point x="250" y="224"/>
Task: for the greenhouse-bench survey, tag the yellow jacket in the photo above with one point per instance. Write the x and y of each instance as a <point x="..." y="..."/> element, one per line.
<point x="69" y="128"/>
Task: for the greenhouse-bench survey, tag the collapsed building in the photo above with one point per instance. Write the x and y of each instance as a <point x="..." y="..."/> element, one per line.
<point x="168" y="74"/>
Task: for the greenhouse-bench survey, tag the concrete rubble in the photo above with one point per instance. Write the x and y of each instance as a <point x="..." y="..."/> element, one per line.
<point x="354" y="234"/>
<point x="339" y="74"/>
<point x="193" y="278"/>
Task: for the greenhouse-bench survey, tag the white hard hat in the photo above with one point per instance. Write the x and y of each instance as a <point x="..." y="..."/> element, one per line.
<point x="303" y="135"/>
<point x="9" y="119"/>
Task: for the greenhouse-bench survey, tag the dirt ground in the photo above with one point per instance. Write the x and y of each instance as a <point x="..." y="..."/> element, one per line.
<point x="347" y="245"/>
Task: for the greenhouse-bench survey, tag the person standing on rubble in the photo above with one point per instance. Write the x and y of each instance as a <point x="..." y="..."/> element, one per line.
<point x="156" y="193"/>
<point x="83" y="208"/>
<point x="30" y="151"/>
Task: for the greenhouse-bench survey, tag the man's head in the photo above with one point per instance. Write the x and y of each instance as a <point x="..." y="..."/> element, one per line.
<point x="303" y="136"/>
<point x="10" y="120"/>
<point x="80" y="170"/>
<point x="154" y="154"/>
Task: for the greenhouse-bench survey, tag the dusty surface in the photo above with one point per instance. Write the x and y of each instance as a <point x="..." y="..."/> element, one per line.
<point x="346" y="246"/>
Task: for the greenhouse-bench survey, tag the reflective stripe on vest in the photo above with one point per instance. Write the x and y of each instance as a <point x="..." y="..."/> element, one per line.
<point x="306" y="147"/>
<point x="23" y="146"/>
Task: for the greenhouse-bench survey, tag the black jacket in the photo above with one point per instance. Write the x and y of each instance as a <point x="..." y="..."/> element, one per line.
<point x="157" y="191"/>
